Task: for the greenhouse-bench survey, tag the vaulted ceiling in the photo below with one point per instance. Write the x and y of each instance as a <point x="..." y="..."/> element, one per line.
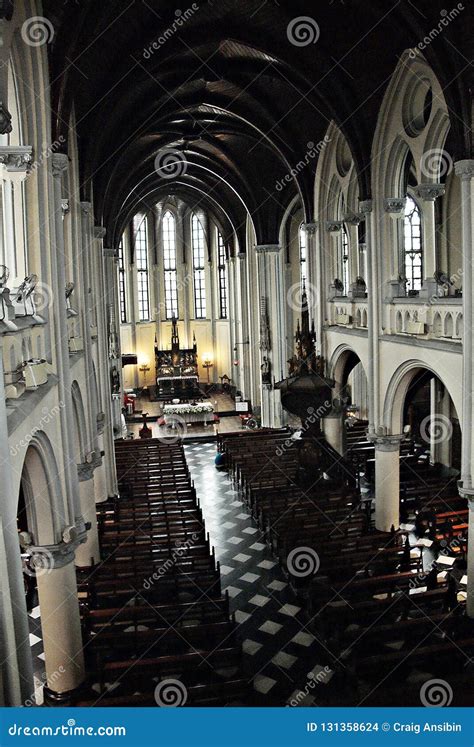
<point x="218" y="101"/>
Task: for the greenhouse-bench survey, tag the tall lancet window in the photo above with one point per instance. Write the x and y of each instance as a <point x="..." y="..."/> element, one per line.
<point x="122" y="285"/>
<point x="169" y="264"/>
<point x="141" y="260"/>
<point x="344" y="263"/>
<point x="198" y="268"/>
<point x="303" y="256"/>
<point x="221" y="258"/>
<point x="413" y="248"/>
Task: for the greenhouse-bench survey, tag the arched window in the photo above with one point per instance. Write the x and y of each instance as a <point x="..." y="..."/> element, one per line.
<point x="413" y="249"/>
<point x="198" y="268"/>
<point x="122" y="283"/>
<point x="344" y="260"/>
<point x="141" y="259"/>
<point x="221" y="261"/>
<point x="169" y="264"/>
<point x="303" y="256"/>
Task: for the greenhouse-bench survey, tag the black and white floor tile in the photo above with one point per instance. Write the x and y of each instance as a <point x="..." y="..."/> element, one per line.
<point x="281" y="654"/>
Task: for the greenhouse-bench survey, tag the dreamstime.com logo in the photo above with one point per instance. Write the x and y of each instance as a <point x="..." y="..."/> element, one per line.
<point x="46" y="418"/>
<point x="70" y="729"/>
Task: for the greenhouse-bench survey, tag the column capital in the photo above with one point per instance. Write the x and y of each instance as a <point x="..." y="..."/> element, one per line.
<point x="110" y="252"/>
<point x="85" y="471"/>
<point x="465" y="169"/>
<point x="429" y="192"/>
<point x="86" y="207"/>
<point x="333" y="226"/>
<point x="16" y="158"/>
<point x="467" y="491"/>
<point x="310" y="228"/>
<point x="395" y="206"/>
<point x="241" y="255"/>
<point x="366" y="206"/>
<point x="47" y="558"/>
<point x="60" y="162"/>
<point x="268" y="248"/>
<point x="386" y="442"/>
<point x="352" y="219"/>
<point x="100" y="232"/>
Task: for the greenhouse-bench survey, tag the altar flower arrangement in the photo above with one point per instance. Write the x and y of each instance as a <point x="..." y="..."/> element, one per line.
<point x="187" y="409"/>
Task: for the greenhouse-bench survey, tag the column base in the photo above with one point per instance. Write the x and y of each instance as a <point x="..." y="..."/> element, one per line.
<point x="53" y="699"/>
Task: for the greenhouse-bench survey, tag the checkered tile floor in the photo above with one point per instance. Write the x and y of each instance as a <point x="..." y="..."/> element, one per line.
<point x="279" y="649"/>
<point x="281" y="655"/>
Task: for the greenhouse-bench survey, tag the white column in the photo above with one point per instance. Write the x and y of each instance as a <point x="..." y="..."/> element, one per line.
<point x="60" y="622"/>
<point x="105" y="421"/>
<point x="428" y="193"/>
<point x="373" y="319"/>
<point x="315" y="286"/>
<point x="60" y="163"/>
<point x="271" y="293"/>
<point x="394" y="208"/>
<point x="15" y="653"/>
<point x="88" y="553"/>
<point x="387" y="482"/>
<point x="465" y="170"/>
<point x="334" y="431"/>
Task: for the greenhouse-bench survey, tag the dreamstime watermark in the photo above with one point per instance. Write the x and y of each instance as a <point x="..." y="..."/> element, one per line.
<point x="170" y="163"/>
<point x="447" y="548"/>
<point x="303" y="562"/>
<point x="181" y="285"/>
<point x="43" y="296"/>
<point x="436" y="693"/>
<point x="313" y="150"/>
<point x="179" y="21"/>
<point x="451" y="280"/>
<point x="37" y="31"/>
<point x="446" y="18"/>
<point x="313" y="681"/>
<point x="172" y="430"/>
<point x="71" y="729"/>
<point x="170" y="694"/>
<point x="46" y="418"/>
<point x="294" y="295"/>
<point x="45" y="680"/>
<point x="313" y="416"/>
<point x="180" y="549"/>
<point x="436" y="429"/>
<point x="436" y="163"/>
<point x="46" y="153"/>
<point x="303" y="31"/>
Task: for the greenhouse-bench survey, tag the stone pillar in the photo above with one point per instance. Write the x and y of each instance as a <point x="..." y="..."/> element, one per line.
<point x="428" y="193"/>
<point x="334" y="431"/>
<point x="373" y="319"/>
<point x="242" y="330"/>
<point x="60" y="621"/>
<point x="15" y="653"/>
<point x="105" y="419"/>
<point x="394" y="207"/>
<point x="60" y="163"/>
<point x="88" y="553"/>
<point x="313" y="273"/>
<point x="85" y="267"/>
<point x="272" y="330"/>
<point x="387" y="482"/>
<point x="100" y="474"/>
<point x="465" y="170"/>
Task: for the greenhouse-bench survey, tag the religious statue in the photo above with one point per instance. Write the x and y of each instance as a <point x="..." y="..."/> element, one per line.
<point x="266" y="370"/>
<point x="115" y="380"/>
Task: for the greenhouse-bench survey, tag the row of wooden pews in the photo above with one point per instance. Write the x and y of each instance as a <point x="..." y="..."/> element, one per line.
<point x="153" y="612"/>
<point x="387" y="608"/>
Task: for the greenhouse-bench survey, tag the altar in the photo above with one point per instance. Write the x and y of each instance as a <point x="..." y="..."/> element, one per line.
<point x="177" y="369"/>
<point x="201" y="412"/>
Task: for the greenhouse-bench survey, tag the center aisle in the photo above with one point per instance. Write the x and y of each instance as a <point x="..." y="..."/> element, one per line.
<point x="281" y="655"/>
